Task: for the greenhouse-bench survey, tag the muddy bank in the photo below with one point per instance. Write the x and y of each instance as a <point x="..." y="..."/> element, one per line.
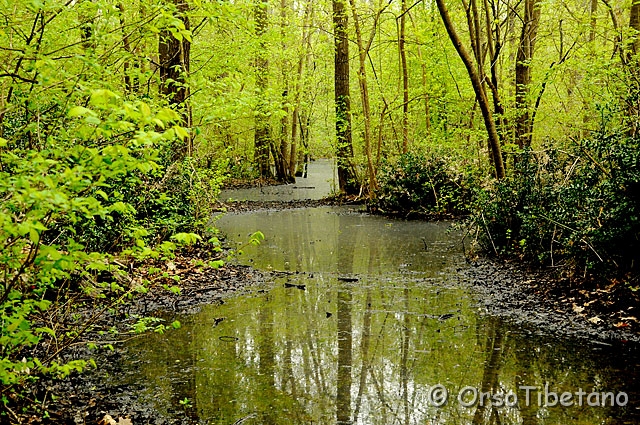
<point x="87" y="397"/>
<point x="542" y="305"/>
<point x="247" y="206"/>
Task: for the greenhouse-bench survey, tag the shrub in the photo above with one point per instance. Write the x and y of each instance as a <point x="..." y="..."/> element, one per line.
<point x="420" y="185"/>
<point x="578" y="208"/>
<point x="74" y="208"/>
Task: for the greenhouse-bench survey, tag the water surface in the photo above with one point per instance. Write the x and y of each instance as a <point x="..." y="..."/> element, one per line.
<point x="320" y="181"/>
<point x="369" y="321"/>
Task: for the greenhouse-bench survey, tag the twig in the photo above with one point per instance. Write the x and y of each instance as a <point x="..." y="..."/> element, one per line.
<point x="489" y="233"/>
<point x="246" y="418"/>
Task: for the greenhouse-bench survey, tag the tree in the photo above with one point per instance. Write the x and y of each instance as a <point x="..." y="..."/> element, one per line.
<point x="174" y="53"/>
<point x="405" y="77"/>
<point x="363" y="51"/>
<point x="478" y="86"/>
<point x="262" y="133"/>
<point x="346" y="172"/>
<point x="523" y="124"/>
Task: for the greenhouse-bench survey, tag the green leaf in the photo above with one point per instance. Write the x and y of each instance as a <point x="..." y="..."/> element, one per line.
<point x="78" y="111"/>
<point x="181" y="132"/>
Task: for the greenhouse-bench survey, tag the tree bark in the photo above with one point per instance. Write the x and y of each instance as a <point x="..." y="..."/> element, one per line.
<point x="526" y="46"/>
<point x="364" y="92"/>
<point x="262" y="133"/>
<point x="346" y="172"/>
<point x="282" y="160"/>
<point x="131" y="78"/>
<point x="174" y="59"/>
<point x="425" y="88"/>
<point x="405" y="78"/>
<point x="478" y="88"/>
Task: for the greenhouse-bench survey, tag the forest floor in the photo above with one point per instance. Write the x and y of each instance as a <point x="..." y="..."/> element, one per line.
<point x="605" y="315"/>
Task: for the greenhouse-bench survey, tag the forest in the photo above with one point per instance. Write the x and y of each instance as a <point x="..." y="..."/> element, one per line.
<point x="121" y="121"/>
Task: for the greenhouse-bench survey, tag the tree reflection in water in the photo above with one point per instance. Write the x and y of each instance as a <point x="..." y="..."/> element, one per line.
<point x="366" y="351"/>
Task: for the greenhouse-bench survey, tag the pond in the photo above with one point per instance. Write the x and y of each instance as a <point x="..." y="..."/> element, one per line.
<point x="368" y="324"/>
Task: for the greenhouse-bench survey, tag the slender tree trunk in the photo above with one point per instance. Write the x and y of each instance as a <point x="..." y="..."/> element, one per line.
<point x="174" y="58"/>
<point x="593" y="11"/>
<point x="405" y="78"/>
<point x="346" y="172"/>
<point x="364" y="95"/>
<point x="282" y="160"/>
<point x="479" y="89"/>
<point x="295" y="114"/>
<point x="523" y="72"/>
<point x="131" y="71"/>
<point x="633" y="63"/>
<point x="262" y="135"/>
<point x="634" y="24"/>
<point x="494" y="45"/>
<point x="425" y="89"/>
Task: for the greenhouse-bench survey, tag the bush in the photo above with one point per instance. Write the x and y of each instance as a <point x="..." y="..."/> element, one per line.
<point x="420" y="185"/>
<point x="75" y="209"/>
<point x="578" y="208"/>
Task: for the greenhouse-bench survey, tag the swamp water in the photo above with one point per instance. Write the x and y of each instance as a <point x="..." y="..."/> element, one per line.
<point x="369" y="325"/>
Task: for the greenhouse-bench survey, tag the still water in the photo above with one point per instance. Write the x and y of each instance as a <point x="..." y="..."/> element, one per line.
<point x="370" y="327"/>
<point x="320" y="181"/>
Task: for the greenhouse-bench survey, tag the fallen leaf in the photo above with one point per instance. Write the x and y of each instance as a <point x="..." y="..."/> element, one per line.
<point x="123" y="421"/>
<point x="577" y="309"/>
<point x="621" y="325"/>
<point x="107" y="420"/>
<point x="631" y="318"/>
<point x="595" y="320"/>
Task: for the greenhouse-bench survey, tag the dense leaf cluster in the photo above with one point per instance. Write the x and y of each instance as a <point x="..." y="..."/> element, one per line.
<point x="417" y="184"/>
<point x="76" y="208"/>
<point x="578" y="208"/>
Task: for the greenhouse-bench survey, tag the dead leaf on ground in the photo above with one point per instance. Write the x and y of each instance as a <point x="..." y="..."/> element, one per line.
<point x="107" y="420"/>
<point x="123" y="421"/>
<point x="577" y="309"/>
<point x="622" y="325"/>
<point x="596" y="320"/>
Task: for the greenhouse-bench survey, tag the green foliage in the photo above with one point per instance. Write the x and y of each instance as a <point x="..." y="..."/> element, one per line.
<point x="419" y="185"/>
<point x="579" y="208"/>
<point x="73" y="208"/>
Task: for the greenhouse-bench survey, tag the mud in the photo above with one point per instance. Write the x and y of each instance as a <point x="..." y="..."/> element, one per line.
<point x="540" y="304"/>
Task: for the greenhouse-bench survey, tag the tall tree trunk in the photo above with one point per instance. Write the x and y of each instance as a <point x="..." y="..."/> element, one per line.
<point x="405" y="78"/>
<point x="297" y="95"/>
<point x="346" y="172"/>
<point x="478" y="88"/>
<point x="364" y="93"/>
<point x="174" y="58"/>
<point x="423" y="65"/>
<point x="523" y="72"/>
<point x="262" y="134"/>
<point x="633" y="63"/>
<point x="131" y="71"/>
<point x="634" y="24"/>
<point x="282" y="160"/>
